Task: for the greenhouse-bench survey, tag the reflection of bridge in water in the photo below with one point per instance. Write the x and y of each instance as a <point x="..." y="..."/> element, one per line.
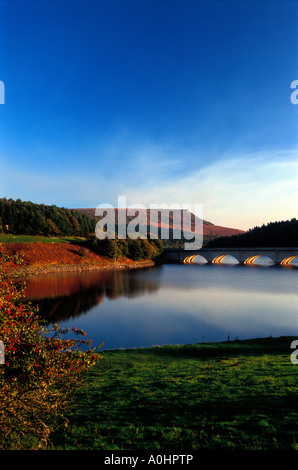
<point x="279" y="255"/>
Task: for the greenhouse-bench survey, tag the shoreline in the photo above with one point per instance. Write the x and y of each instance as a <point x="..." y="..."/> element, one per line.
<point x="250" y="344"/>
<point x="59" y="268"/>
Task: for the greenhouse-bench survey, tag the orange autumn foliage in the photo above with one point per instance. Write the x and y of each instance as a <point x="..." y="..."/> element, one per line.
<point x="41" y="369"/>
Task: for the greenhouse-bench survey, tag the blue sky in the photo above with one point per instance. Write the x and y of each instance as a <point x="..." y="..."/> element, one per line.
<point x="163" y="101"/>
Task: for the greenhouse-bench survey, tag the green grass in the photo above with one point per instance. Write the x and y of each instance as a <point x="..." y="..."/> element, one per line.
<point x="9" y="238"/>
<point x="232" y="395"/>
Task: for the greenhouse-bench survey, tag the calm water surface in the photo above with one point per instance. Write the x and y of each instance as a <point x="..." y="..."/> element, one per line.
<point x="171" y="304"/>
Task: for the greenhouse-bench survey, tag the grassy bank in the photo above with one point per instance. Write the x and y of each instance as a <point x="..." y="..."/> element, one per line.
<point x="9" y="238"/>
<point x="231" y="395"/>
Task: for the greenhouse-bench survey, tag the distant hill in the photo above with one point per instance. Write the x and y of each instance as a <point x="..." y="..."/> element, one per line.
<point x="27" y="218"/>
<point x="173" y="219"/>
<point x="284" y="234"/>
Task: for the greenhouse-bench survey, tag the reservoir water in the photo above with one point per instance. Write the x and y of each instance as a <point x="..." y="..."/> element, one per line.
<point x="171" y="304"/>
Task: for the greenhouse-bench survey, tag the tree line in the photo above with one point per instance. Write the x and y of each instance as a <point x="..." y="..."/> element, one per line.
<point x="133" y="249"/>
<point x="27" y="218"/>
<point x="281" y="233"/>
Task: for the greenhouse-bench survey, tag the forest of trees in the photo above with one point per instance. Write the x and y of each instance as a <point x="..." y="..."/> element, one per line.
<point x="273" y="234"/>
<point x="27" y="218"/>
<point x="133" y="249"/>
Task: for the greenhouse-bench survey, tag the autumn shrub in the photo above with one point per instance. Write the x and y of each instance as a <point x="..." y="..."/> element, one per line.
<point x="109" y="248"/>
<point x="135" y="251"/>
<point x="42" y="367"/>
<point x="83" y="252"/>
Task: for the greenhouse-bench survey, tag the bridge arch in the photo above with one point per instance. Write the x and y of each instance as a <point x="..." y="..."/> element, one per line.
<point x="287" y="261"/>
<point x="191" y="259"/>
<point x="265" y="260"/>
<point x="251" y="259"/>
<point x="225" y="259"/>
<point x="219" y="259"/>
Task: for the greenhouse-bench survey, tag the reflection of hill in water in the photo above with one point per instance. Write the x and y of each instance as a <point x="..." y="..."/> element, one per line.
<point x="61" y="297"/>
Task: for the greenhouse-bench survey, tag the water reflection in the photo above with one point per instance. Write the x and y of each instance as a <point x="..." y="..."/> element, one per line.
<point x="171" y="304"/>
<point x="68" y="295"/>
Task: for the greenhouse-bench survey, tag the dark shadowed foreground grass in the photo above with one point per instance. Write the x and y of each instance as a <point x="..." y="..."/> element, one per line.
<point x="231" y="395"/>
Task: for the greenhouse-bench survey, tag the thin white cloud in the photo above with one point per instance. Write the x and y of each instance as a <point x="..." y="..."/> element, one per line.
<point x="241" y="191"/>
<point x="237" y="192"/>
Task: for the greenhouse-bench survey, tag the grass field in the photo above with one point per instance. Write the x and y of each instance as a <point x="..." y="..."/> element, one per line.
<point x="233" y="395"/>
<point x="9" y="238"/>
